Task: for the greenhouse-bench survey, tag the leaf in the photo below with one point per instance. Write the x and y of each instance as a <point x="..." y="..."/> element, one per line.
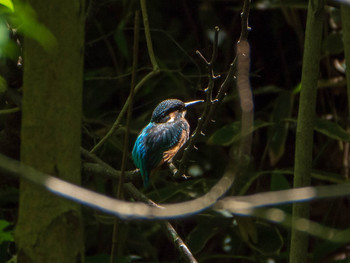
<point x="120" y="39"/>
<point x="8" y="4"/>
<point x="172" y="190"/>
<point x="277" y="134"/>
<point x="270" y="240"/>
<point x="230" y="133"/>
<point x="121" y="42"/>
<point x="5" y="235"/>
<point x="333" y="44"/>
<point x="267" y="90"/>
<point x="328" y="177"/>
<point x="326" y="248"/>
<point x="332" y="130"/>
<point x="202" y="233"/>
<point x="247" y="229"/>
<point x="297" y="88"/>
<point x="26" y="20"/>
<point x="226" y="134"/>
<point x="3" y="85"/>
<point x="278" y="182"/>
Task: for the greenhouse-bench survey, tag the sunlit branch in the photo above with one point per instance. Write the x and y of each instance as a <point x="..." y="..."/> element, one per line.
<point x="166" y="226"/>
<point x="180" y="244"/>
<point x="136" y="210"/>
<point x="100" y="168"/>
<point x="246" y="97"/>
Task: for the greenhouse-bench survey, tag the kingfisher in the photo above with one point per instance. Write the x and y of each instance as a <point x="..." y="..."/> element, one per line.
<point x="162" y="138"/>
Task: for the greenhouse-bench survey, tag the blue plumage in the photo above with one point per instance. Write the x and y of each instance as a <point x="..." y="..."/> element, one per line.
<point x="162" y="138"/>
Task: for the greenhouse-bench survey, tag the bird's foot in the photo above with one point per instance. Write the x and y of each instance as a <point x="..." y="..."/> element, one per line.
<point x="173" y="169"/>
<point x="185" y="176"/>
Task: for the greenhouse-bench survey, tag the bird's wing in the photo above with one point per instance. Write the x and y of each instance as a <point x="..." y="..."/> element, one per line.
<point x="153" y="141"/>
<point x="164" y="137"/>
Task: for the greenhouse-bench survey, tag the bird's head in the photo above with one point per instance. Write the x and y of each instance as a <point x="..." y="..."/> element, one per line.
<point x="170" y="110"/>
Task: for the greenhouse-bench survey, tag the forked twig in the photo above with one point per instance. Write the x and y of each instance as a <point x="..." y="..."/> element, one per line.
<point x="201" y="126"/>
<point x="244" y="92"/>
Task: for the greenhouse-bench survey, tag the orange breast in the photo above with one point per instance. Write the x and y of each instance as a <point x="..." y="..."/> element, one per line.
<point x="169" y="154"/>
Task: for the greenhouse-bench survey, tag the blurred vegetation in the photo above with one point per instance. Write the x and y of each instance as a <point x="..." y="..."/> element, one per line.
<point x="178" y="29"/>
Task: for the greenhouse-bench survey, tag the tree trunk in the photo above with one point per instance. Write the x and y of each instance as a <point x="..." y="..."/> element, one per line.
<point x="49" y="228"/>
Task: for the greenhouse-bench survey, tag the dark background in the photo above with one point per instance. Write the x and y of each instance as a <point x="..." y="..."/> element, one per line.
<point x="178" y="29"/>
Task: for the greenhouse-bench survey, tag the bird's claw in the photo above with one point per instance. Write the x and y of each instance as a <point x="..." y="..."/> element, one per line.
<point x="185" y="176"/>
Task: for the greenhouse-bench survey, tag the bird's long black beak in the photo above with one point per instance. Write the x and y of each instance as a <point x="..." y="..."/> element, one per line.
<point x="193" y="102"/>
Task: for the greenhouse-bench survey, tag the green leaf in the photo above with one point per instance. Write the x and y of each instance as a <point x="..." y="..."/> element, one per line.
<point x="25" y="20"/>
<point x="202" y="233"/>
<point x="328" y="177"/>
<point x="297" y="88"/>
<point x="283" y="183"/>
<point x="121" y="42"/>
<point x="278" y="182"/>
<point x="3" y="85"/>
<point x="333" y="44"/>
<point x="172" y="190"/>
<point x="8" y="4"/>
<point x="270" y="240"/>
<point x="226" y="134"/>
<point x="326" y="248"/>
<point x="267" y="90"/>
<point x="120" y="39"/>
<point x="5" y="236"/>
<point x="332" y="130"/>
<point x="277" y="134"/>
<point x="246" y="227"/>
<point x="10" y="50"/>
<point x="230" y="133"/>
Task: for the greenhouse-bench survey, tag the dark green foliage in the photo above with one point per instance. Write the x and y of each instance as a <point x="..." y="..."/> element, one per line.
<point x="269" y="241"/>
<point x="277" y="134"/>
<point x="332" y="130"/>
<point x="178" y="29"/>
<point x="333" y="44"/>
<point x="5" y="236"/>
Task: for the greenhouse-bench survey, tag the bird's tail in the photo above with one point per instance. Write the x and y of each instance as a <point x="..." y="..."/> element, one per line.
<point x="145" y="178"/>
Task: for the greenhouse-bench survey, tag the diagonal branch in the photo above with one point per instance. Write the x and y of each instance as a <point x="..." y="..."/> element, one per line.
<point x="137" y="195"/>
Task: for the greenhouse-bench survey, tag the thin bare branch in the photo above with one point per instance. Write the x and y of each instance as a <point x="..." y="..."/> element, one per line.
<point x="9" y="111"/>
<point x="148" y="36"/>
<point x="120" y="193"/>
<point x="154" y="72"/>
<point x="199" y="131"/>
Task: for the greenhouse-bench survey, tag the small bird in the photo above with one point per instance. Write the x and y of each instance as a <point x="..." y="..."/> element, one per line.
<point x="162" y="138"/>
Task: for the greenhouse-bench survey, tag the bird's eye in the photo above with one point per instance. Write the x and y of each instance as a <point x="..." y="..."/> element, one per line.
<point x="164" y="118"/>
